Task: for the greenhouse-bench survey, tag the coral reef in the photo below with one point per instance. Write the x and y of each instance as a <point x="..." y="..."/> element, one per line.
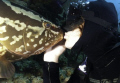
<point x="31" y="64"/>
<point x="70" y="58"/>
<point x="65" y="74"/>
<point x="23" y="77"/>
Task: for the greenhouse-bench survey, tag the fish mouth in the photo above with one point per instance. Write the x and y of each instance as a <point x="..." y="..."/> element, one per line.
<point x="53" y="26"/>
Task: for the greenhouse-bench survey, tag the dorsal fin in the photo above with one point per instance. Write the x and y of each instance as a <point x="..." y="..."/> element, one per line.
<point x="7" y="69"/>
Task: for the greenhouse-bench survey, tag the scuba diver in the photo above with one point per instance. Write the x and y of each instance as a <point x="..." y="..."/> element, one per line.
<point x="96" y="37"/>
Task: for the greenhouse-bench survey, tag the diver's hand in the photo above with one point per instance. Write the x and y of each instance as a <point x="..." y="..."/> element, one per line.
<point x="53" y="53"/>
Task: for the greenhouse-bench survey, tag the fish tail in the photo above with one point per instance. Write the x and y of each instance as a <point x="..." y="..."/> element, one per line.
<point x="7" y="69"/>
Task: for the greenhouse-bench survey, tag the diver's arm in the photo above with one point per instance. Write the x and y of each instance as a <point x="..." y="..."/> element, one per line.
<point x="53" y="53"/>
<point x="51" y="65"/>
<point x="51" y="72"/>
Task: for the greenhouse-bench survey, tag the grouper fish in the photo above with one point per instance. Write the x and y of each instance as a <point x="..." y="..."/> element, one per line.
<point x="23" y="33"/>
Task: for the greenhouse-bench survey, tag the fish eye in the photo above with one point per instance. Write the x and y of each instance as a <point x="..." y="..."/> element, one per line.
<point x="47" y="25"/>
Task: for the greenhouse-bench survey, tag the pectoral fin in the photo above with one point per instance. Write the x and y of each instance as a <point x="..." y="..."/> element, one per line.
<point x="7" y="69"/>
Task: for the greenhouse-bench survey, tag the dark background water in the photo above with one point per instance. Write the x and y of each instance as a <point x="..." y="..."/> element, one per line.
<point x="117" y="5"/>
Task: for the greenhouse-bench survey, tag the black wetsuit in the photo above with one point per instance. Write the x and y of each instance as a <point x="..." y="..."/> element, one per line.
<point x="94" y="42"/>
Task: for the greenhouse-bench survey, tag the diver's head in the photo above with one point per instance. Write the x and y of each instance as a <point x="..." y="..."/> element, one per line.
<point x="74" y="26"/>
<point x="74" y="19"/>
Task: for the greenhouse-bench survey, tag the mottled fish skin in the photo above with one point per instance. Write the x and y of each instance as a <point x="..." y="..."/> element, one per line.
<point x="24" y="32"/>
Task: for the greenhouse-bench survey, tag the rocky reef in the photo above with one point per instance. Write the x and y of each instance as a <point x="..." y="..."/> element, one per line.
<point x="23" y="77"/>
